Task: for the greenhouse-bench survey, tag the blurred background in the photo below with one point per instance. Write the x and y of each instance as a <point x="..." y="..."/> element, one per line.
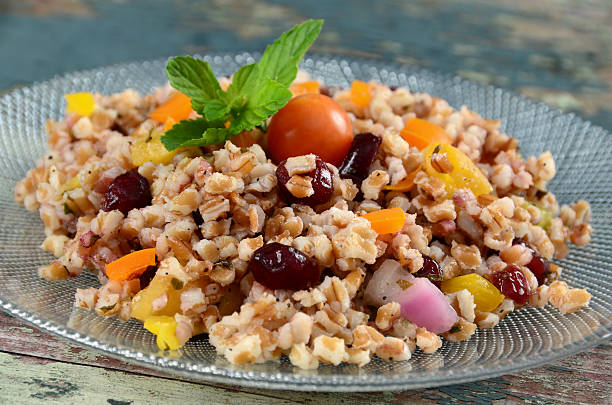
<point x="558" y="51"/>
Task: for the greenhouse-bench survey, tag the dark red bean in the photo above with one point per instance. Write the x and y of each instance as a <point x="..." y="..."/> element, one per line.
<point x="431" y="269"/>
<point x="539" y="266"/>
<point x="128" y="191"/>
<point x="281" y="267"/>
<point x="146" y="277"/>
<point x="322" y="184"/>
<point x="361" y="155"/>
<point x="512" y="283"/>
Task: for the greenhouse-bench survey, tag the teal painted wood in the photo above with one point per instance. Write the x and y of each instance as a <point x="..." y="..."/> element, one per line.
<point x="37" y="367"/>
<point x="556" y="51"/>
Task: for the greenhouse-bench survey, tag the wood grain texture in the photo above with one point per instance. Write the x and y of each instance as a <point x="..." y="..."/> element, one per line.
<point x="45" y="367"/>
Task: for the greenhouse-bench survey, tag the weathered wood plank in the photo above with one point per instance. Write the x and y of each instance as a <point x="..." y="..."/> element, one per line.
<point x="35" y="380"/>
<point x="20" y="338"/>
<point x="584" y="378"/>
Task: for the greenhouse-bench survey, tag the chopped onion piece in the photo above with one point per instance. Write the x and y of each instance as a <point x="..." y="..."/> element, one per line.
<point x="383" y="286"/>
<point x="425" y="305"/>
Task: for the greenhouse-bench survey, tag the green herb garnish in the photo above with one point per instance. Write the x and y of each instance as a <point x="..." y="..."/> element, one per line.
<point x="546" y="215"/>
<point x="434" y="277"/>
<point x="108" y="308"/>
<point x="224" y="263"/>
<point x="404" y="284"/>
<point x="257" y="91"/>
<point x="177" y="284"/>
<point x="68" y="210"/>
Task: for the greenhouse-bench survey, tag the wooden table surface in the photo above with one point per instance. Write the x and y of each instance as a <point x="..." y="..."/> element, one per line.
<point x="553" y="50"/>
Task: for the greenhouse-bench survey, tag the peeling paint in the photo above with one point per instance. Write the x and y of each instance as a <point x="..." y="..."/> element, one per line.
<point x="118" y="402"/>
<point x="52" y="388"/>
<point x="22" y="329"/>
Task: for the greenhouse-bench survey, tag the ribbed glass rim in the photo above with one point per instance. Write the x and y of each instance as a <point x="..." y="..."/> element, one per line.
<point x="337" y="383"/>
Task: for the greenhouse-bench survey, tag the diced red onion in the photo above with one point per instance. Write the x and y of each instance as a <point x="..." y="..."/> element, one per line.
<point x="383" y="286"/>
<point x="425" y="305"/>
<point x="421" y="301"/>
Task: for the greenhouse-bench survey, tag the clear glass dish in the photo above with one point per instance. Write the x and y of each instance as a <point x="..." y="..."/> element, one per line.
<point x="526" y="338"/>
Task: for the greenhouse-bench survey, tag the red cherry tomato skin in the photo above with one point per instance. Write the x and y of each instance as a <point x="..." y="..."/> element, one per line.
<point x="310" y="123"/>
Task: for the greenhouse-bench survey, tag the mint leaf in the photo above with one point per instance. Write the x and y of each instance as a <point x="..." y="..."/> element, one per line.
<point x="269" y="97"/>
<point x="185" y="131"/>
<point x="194" y="78"/>
<point x="253" y="98"/>
<point x="243" y="83"/>
<point x="281" y="59"/>
<point x="211" y="136"/>
<point x="216" y="110"/>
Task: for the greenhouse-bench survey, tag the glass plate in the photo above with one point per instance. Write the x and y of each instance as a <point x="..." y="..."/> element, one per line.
<point x="526" y="338"/>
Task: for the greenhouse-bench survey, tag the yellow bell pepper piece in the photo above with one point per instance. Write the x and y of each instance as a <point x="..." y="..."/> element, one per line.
<point x="486" y="296"/>
<point x="464" y="172"/>
<point x="80" y="103"/>
<point x="165" y="328"/>
<point x="150" y="148"/>
<point x="70" y="184"/>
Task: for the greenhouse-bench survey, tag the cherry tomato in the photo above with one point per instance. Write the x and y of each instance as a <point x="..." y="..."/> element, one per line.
<point x="310" y="123"/>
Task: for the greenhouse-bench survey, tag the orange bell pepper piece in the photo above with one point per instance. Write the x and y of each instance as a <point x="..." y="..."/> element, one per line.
<point x="421" y="133"/>
<point x="310" y="87"/>
<point x="360" y="93"/>
<point x="169" y="123"/>
<point x="131" y="265"/>
<point x="389" y="220"/>
<point x="178" y="107"/>
<point x="405" y="184"/>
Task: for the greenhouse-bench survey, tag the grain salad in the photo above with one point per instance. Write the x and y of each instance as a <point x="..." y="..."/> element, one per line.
<point x="284" y="216"/>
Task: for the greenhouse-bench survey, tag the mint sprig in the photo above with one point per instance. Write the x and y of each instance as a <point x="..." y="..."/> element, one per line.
<point x="257" y="91"/>
<point x="198" y="132"/>
<point x="281" y="59"/>
<point x="195" y="79"/>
